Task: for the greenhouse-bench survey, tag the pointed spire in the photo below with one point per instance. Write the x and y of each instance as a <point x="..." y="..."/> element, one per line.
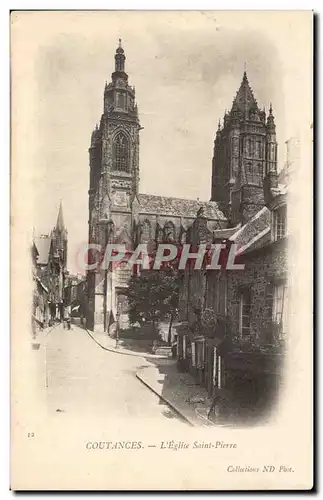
<point x="119" y="58"/>
<point x="244" y="99"/>
<point x="60" y="218"/>
<point x="270" y="119"/>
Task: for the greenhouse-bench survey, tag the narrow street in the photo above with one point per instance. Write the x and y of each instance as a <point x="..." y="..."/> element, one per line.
<point x="85" y="381"/>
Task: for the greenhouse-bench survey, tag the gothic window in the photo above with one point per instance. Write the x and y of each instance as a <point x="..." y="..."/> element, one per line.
<point x="159" y="233"/>
<point x="120" y="100"/>
<point x="169" y="231"/>
<point x="252" y="147"/>
<point x="121" y="153"/>
<point x="247" y="147"/>
<point x="130" y="103"/>
<point x="253" y="173"/>
<point x="248" y="172"/>
<point x="145" y="231"/>
<point x="272" y="152"/>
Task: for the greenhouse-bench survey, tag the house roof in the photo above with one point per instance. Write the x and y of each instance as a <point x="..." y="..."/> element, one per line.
<point x="223" y="234"/>
<point x="254" y="232"/>
<point x="258" y="241"/>
<point x="163" y="205"/>
<point x="42" y="244"/>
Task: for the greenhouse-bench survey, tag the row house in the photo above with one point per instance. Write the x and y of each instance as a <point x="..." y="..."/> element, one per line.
<point x="49" y="256"/>
<point x="234" y="322"/>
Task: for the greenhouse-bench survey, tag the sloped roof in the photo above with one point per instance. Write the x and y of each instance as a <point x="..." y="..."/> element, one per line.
<point x="223" y="234"/>
<point x="258" y="241"/>
<point x="42" y="245"/>
<point x="244" y="99"/>
<point x="163" y="205"/>
<point x="255" y="229"/>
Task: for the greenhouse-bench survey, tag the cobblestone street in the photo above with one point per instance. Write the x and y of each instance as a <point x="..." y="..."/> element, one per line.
<point x="85" y="381"/>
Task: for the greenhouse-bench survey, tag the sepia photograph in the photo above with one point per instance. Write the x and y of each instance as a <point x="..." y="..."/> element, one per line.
<point x="162" y="177"/>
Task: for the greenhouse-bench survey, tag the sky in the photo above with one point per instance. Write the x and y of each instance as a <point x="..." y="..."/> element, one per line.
<point x="186" y="67"/>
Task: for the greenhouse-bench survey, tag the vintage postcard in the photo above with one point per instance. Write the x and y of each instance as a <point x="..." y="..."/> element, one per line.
<point x="161" y="235"/>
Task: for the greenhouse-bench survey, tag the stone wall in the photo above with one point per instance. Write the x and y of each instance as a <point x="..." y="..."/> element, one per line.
<point x="263" y="269"/>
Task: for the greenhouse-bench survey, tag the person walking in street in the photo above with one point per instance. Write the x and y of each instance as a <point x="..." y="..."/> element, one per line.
<point x="67" y="317"/>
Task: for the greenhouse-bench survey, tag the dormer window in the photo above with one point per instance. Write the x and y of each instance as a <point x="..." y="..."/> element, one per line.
<point x="280" y="224"/>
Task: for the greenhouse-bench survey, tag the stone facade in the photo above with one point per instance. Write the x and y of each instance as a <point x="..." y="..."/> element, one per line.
<point x="245" y="349"/>
<point x="245" y="150"/>
<point x="264" y="268"/>
<point x="118" y="212"/>
<point x="49" y="270"/>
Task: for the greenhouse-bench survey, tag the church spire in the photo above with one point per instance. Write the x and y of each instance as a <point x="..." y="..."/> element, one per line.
<point x="60" y="219"/>
<point x="270" y="120"/>
<point x="120" y="58"/>
<point x="244" y="100"/>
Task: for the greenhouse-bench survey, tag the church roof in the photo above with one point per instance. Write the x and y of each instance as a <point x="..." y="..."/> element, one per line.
<point x="180" y="207"/>
<point x="42" y="245"/>
<point x="244" y="100"/>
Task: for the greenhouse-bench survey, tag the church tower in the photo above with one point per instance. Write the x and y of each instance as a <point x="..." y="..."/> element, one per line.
<point x="114" y="173"/>
<point x="245" y="149"/>
<point x="114" y="155"/>
<point x="59" y="238"/>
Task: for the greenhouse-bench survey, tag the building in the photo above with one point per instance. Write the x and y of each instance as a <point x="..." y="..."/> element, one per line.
<point x="49" y="268"/>
<point x="234" y="323"/>
<point x="245" y="149"/>
<point x="118" y="212"/>
<point x="40" y="306"/>
<point x="75" y="295"/>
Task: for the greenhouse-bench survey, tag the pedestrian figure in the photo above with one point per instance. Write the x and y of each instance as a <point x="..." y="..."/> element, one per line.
<point x="215" y="409"/>
<point x="67" y="317"/>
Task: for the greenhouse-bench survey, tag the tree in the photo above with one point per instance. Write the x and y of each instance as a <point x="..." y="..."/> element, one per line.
<point x="153" y="297"/>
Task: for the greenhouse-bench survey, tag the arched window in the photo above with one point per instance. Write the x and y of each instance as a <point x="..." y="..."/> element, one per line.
<point x="121" y="153"/>
<point x="254" y="173"/>
<point x="145" y="237"/>
<point x="169" y="231"/>
<point x="258" y="149"/>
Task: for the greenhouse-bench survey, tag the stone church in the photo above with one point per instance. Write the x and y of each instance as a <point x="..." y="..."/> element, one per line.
<point x="119" y="213"/>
